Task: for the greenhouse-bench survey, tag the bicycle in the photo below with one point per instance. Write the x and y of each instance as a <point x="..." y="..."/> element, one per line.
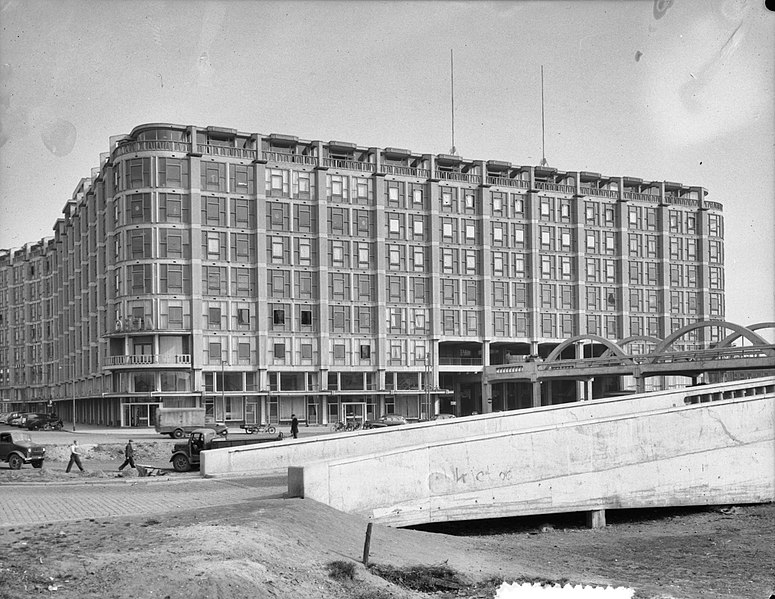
<point x="339" y="426"/>
<point x="259" y="428"/>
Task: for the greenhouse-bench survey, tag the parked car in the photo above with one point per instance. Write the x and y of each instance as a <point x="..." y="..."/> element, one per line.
<point x="443" y="416"/>
<point x="386" y="420"/>
<point x="17" y="448"/>
<point x="46" y="422"/>
<point x="14" y="419"/>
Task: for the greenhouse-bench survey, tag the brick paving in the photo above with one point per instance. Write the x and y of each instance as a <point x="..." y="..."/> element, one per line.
<point x="36" y="503"/>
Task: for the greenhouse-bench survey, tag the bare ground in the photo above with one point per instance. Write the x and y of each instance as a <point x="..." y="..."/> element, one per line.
<point x="283" y="548"/>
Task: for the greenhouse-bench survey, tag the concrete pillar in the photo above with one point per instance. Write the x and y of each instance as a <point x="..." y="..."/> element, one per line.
<point x="596" y="519"/>
<point x="588" y="390"/>
<point x="536" y="389"/>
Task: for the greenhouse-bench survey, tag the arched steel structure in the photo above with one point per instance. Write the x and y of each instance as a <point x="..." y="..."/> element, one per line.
<point x="612" y="347"/>
<point x="633" y="339"/>
<point x="740" y="330"/>
<point x="727" y="341"/>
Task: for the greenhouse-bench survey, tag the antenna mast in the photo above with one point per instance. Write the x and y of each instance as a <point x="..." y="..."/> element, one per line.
<point x="543" y="126"/>
<point x="453" y="151"/>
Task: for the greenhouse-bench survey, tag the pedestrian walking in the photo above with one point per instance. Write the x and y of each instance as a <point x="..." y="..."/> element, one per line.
<point x="129" y="454"/>
<point x="75" y="456"/>
<point x="294" y="426"/>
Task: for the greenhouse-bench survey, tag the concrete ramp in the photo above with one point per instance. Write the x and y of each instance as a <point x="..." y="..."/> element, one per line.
<point x="707" y="445"/>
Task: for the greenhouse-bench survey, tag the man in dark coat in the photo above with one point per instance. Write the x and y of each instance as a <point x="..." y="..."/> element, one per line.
<point x="294" y="426"/>
<point x="129" y="454"/>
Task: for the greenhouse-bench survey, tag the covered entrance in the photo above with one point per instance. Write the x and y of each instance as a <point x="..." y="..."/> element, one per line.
<point x="354" y="412"/>
<point x="140" y="415"/>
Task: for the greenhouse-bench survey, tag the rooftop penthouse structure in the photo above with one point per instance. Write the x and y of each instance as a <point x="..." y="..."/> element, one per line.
<point x="263" y="275"/>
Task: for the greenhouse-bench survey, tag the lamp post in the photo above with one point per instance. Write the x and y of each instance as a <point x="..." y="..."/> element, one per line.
<point x="223" y="386"/>
<point x="69" y="371"/>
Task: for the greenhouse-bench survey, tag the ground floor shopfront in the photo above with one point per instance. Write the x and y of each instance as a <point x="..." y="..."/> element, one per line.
<point x="236" y="409"/>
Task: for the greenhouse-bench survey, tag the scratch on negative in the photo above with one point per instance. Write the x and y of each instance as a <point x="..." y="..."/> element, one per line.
<point x="726" y="430"/>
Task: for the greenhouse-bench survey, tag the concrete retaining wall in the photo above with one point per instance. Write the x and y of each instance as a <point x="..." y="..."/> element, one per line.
<point x="297" y="452"/>
<point x="703" y="454"/>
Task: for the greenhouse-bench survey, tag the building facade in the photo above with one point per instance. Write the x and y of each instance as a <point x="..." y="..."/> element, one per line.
<point x="263" y="275"/>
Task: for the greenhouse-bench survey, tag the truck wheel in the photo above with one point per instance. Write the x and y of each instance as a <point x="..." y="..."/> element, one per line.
<point x="58" y="426"/>
<point x="37" y="464"/>
<point x="271" y="430"/>
<point x="181" y="463"/>
<point x="177" y="433"/>
<point x="15" y="462"/>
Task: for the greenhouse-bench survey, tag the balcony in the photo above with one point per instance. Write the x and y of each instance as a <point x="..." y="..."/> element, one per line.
<point x="406" y="171"/>
<point x="153" y="145"/>
<point x="350" y="165"/>
<point x="227" y="151"/>
<point x="461" y="177"/>
<point x="293" y="158"/>
<point x="555" y="187"/>
<point x="603" y="193"/>
<point x="149" y="360"/>
<point x="508" y="182"/>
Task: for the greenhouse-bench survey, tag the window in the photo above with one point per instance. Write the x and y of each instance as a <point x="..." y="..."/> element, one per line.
<point x="417" y="196"/>
<point x="214" y="318"/>
<point x="469" y="201"/>
<point x="138" y="173"/>
<point x="306" y="318"/>
<point x="244" y="351"/>
<point x="175" y="317"/>
<point x="446" y="198"/>
<point x="306" y="351"/>
<point x="243" y="316"/>
<point x="173" y="172"/>
<point x="173" y="208"/>
<point x="242" y="179"/>
<point x="339" y="351"/>
<point x="278" y="317"/>
<point x="279" y="351"/>
<point x="139" y="208"/>
<point x="215" y="353"/>
<point x="365" y="352"/>
<point x="214" y="211"/>
<point x="213" y="176"/>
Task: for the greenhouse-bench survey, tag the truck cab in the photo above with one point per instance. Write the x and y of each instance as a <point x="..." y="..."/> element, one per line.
<point x="186" y="455"/>
<point x="18" y="448"/>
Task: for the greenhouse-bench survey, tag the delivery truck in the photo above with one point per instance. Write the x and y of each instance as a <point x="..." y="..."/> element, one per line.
<point x="179" y="422"/>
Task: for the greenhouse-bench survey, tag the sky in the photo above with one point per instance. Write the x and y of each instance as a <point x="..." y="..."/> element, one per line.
<point x="673" y="90"/>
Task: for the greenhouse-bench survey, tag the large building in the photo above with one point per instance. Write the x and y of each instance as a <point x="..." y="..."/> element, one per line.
<point x="260" y="275"/>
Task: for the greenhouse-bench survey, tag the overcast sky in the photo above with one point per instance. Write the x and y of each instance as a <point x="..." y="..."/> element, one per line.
<point x="678" y="91"/>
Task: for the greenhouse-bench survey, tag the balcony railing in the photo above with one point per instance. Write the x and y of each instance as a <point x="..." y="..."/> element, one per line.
<point x="458" y="361"/>
<point x="556" y="187"/>
<point x="147" y="360"/>
<point x="153" y="145"/>
<point x="644" y="197"/>
<point x="406" y="171"/>
<point x="682" y="201"/>
<point x="293" y="158"/>
<point x="227" y="151"/>
<point x="462" y="177"/>
<point x="351" y="165"/>
<point x="508" y="182"/>
<point x="603" y="193"/>
<point x="714" y="205"/>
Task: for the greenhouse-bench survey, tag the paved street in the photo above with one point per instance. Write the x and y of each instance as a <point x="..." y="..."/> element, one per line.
<point x="34" y="503"/>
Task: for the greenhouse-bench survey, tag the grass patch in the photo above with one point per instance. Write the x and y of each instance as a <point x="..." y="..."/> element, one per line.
<point x="427" y="579"/>
<point x="341" y="570"/>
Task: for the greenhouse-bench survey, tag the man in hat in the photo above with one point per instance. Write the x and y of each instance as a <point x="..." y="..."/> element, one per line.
<point x="129" y="454"/>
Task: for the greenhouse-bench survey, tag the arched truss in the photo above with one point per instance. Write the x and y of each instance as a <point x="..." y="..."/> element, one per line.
<point x="727" y="341"/>
<point x="612" y="347"/>
<point x="633" y="339"/>
<point x="741" y="331"/>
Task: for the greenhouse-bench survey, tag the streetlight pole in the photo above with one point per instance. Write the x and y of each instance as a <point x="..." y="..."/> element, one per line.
<point x="223" y="386"/>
